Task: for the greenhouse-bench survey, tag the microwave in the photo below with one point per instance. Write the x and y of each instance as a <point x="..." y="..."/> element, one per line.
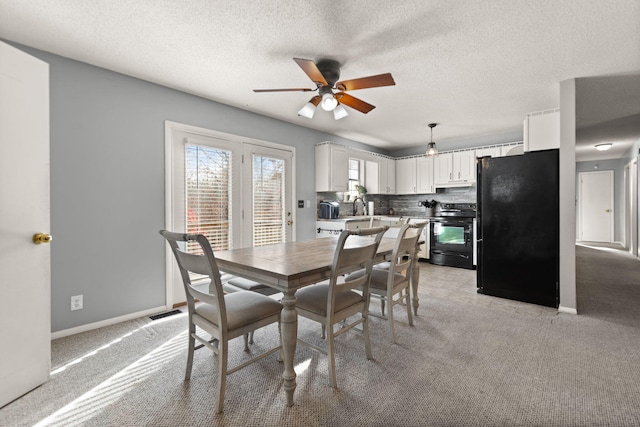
<point x="329" y="210"/>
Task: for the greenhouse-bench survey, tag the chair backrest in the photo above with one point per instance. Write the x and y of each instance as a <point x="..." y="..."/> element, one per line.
<point x="203" y="267"/>
<point x="405" y="248"/>
<point x="356" y="249"/>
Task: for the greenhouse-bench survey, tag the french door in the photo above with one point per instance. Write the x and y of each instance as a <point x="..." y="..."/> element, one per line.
<point x="268" y="201"/>
<point x="236" y="191"/>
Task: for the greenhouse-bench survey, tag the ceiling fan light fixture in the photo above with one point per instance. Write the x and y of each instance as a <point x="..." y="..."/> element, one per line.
<point x="603" y="147"/>
<point x="329" y="102"/>
<point x="432" y="150"/>
<point x="307" y="110"/>
<point x="340" y="112"/>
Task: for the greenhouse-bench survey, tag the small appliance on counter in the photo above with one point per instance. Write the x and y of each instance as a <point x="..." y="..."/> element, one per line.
<point x="329" y="210"/>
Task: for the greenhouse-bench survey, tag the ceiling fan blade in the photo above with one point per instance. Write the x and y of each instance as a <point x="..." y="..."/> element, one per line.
<point x="367" y="82"/>
<point x="304" y="89"/>
<point x="316" y="100"/>
<point x="311" y="69"/>
<point x="353" y="102"/>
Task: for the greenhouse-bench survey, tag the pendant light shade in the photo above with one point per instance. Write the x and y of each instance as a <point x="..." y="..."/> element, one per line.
<point x="432" y="150"/>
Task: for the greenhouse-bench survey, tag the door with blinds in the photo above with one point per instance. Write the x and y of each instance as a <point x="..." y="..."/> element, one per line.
<point x="237" y="193"/>
<point x="267" y="197"/>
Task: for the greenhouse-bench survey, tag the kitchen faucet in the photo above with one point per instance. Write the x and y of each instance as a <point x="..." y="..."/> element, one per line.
<point x="364" y="206"/>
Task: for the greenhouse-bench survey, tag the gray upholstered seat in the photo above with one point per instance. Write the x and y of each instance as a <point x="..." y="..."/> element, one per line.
<point x="336" y="301"/>
<point x="385" y="284"/>
<point x="223" y="316"/>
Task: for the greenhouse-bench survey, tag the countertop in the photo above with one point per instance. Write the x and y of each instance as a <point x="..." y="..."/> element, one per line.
<point x="368" y="217"/>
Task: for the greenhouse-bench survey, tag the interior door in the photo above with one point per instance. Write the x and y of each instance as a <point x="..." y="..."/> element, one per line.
<point x="267" y="206"/>
<point x="596" y="206"/>
<point x="25" y="267"/>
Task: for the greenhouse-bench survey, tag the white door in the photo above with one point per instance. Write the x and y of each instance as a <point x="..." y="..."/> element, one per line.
<point x="596" y="206"/>
<point x="25" y="268"/>
<point x="268" y="207"/>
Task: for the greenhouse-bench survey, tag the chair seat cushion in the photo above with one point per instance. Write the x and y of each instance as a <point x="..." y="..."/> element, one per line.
<point x="243" y="308"/>
<point x="314" y="299"/>
<point x="378" y="278"/>
<point x="246" y="284"/>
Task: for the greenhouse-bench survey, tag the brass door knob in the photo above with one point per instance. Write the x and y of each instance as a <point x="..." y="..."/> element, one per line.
<point x="289" y="222"/>
<point x="41" y="238"/>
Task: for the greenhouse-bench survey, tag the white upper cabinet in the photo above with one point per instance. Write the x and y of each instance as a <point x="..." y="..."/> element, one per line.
<point x="387" y="174"/>
<point x="414" y="175"/>
<point x="443" y="168"/>
<point x="512" y="150"/>
<point x="332" y="167"/>
<point x="455" y="169"/>
<point x="406" y="176"/>
<point x="424" y="175"/>
<point x="489" y="151"/>
<point x="542" y="130"/>
<point x="372" y="177"/>
<point x="380" y="175"/>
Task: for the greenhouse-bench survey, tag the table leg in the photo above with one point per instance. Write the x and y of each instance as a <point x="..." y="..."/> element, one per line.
<point x="415" y="279"/>
<point x="289" y="331"/>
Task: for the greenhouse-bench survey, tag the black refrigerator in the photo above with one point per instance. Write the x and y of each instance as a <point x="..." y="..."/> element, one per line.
<point x="518" y="227"/>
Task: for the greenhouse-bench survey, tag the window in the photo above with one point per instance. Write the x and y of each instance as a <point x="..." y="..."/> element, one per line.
<point x="355" y="175"/>
<point x="268" y="200"/>
<point x="208" y="195"/>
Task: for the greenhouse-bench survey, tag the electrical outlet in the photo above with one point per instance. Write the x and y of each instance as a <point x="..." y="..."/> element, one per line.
<point x="76" y="302"/>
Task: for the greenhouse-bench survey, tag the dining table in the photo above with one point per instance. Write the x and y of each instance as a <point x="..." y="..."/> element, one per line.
<point x="290" y="266"/>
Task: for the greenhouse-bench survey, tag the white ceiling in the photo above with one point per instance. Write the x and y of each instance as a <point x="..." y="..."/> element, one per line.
<point x="475" y="67"/>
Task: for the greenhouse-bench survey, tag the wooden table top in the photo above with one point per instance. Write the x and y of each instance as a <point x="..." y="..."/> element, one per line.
<point x="291" y="265"/>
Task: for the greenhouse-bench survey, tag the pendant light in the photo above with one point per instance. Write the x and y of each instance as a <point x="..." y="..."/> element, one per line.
<point x="431" y="147"/>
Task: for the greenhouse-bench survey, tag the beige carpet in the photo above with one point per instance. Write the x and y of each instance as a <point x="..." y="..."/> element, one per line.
<point x="470" y="360"/>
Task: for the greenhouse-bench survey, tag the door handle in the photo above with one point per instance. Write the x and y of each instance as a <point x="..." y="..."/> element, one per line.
<point x="607" y="210"/>
<point x="289" y="222"/>
<point x="40" y="238"/>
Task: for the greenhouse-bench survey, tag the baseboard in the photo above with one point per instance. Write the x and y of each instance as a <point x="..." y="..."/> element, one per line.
<point x="107" y="322"/>
<point x="567" y="310"/>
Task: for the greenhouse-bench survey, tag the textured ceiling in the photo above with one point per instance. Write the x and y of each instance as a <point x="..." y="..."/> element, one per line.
<point x="475" y="67"/>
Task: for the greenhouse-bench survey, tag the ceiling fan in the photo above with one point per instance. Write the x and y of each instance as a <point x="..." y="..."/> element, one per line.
<point x="325" y="74"/>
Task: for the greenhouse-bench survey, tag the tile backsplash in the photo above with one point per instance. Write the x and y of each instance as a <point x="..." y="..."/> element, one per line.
<point x="404" y="205"/>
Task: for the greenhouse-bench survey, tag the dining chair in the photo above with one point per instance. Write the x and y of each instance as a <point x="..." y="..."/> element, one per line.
<point x="335" y="301"/>
<point x="385" y="284"/>
<point x="223" y="316"/>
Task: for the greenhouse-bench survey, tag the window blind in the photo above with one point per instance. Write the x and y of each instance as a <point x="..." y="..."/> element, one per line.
<point x="208" y="195"/>
<point x="269" y="222"/>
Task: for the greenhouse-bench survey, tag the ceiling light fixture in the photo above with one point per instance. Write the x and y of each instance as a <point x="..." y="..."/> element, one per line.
<point x="329" y="102"/>
<point x="431" y="146"/>
<point x="340" y="112"/>
<point x="603" y="147"/>
<point x="310" y="107"/>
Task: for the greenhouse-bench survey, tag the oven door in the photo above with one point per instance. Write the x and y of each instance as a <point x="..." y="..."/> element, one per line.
<point x="452" y="234"/>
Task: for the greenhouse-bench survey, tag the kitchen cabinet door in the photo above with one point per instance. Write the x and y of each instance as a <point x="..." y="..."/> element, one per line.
<point x="332" y="168"/>
<point x="443" y="168"/>
<point x="464" y="166"/>
<point x="387" y="170"/>
<point x="424" y="175"/>
<point x="406" y="176"/>
<point x="372" y="178"/>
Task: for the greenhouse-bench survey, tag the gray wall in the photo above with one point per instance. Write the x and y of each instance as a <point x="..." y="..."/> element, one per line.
<point x="617" y="166"/>
<point x="107" y="183"/>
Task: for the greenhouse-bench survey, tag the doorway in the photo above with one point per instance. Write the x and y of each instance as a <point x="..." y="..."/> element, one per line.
<point x="236" y="191"/>
<point x="595" y="197"/>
